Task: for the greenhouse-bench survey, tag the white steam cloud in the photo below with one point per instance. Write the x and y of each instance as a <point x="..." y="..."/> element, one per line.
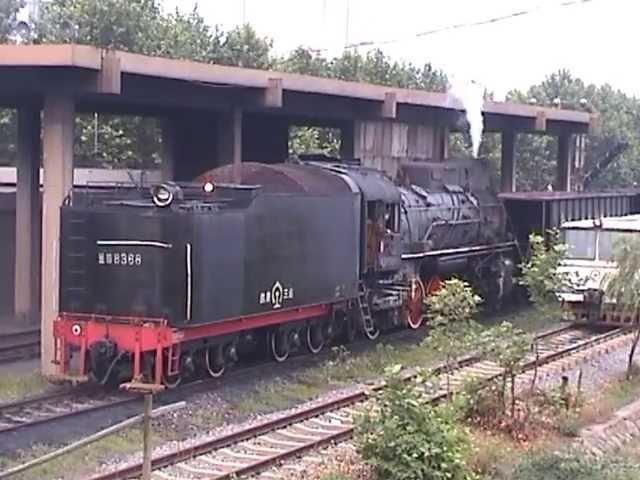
<point x="471" y="95"/>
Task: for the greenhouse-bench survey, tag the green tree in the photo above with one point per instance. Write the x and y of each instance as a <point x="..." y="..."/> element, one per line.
<point x="8" y="12"/>
<point x="187" y="36"/>
<point x="132" y="25"/>
<point x="305" y="61"/>
<point x="450" y="311"/>
<point x="405" y="437"/>
<point x="8" y="136"/>
<point x="540" y="274"/>
<point x="618" y="121"/>
<point x="243" y="47"/>
<point x="314" y="140"/>
<point x="508" y="347"/>
<point x="624" y="287"/>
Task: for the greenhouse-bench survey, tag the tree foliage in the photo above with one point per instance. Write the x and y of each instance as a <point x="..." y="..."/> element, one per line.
<point x="508" y="347"/>
<point x="450" y="311"/>
<point x="540" y="274"/>
<point x="405" y="437"/>
<point x="618" y="121"/>
<point x="623" y="287"/>
<point x="8" y="12"/>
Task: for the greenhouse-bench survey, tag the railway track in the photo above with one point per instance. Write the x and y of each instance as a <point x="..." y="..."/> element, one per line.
<point x="19" y="345"/>
<point x="253" y="450"/>
<point x="75" y="402"/>
<point x="50" y="408"/>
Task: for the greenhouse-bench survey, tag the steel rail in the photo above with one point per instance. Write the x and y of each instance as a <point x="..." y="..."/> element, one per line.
<point x="47" y="399"/>
<point x="267" y="426"/>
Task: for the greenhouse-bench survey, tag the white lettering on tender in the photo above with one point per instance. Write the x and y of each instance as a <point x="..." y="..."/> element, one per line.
<point x="126" y="259"/>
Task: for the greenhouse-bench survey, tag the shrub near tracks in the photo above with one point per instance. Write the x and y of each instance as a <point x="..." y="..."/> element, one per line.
<point x="405" y="437"/>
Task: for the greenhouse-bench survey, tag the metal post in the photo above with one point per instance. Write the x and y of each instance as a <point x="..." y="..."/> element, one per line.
<point x="146" y="436"/>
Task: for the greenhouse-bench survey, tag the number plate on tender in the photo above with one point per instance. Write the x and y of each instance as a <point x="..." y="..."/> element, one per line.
<point x="125" y="259"/>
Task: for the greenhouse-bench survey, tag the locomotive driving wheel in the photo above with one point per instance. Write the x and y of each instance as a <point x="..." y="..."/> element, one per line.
<point x="214" y="361"/>
<point x="279" y="345"/>
<point x="415" y="311"/>
<point x="315" y="337"/>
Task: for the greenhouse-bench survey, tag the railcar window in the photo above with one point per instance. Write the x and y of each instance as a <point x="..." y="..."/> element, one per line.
<point x="581" y="244"/>
<point x="609" y="240"/>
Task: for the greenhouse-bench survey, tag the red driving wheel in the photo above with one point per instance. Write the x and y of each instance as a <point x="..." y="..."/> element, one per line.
<point x="415" y="315"/>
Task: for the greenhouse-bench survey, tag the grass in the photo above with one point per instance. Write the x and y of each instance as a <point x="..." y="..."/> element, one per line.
<point x="610" y="399"/>
<point x="334" y="476"/>
<point x="530" y="319"/>
<point x="554" y="465"/>
<point x="14" y="386"/>
<point x="346" y="369"/>
<point x="79" y="463"/>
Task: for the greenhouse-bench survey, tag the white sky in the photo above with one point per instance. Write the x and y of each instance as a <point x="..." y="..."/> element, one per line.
<point x="597" y="41"/>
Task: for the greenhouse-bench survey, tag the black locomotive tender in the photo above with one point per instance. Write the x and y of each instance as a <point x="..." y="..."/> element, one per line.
<point x="183" y="279"/>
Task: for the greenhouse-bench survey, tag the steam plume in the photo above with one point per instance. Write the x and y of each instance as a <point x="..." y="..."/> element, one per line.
<point x="470" y="95"/>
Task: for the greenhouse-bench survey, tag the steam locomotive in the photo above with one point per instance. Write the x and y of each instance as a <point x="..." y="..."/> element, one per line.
<point x="183" y="279"/>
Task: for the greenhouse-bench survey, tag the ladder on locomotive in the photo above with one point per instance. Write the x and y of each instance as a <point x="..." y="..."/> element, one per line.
<point x="77" y="249"/>
<point x="363" y="306"/>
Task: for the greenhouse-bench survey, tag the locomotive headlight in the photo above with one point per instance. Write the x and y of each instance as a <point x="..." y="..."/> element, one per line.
<point x="164" y="194"/>
<point x="209" y="187"/>
<point x="76" y="329"/>
<point x="161" y="196"/>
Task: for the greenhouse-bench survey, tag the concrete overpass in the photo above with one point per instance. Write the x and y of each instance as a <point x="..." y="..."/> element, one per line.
<point x="214" y="115"/>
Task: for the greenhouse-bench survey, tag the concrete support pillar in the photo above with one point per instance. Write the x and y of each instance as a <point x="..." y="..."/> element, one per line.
<point x="563" y="179"/>
<point x="347" y="141"/>
<point x="508" y="162"/>
<point x="230" y="141"/>
<point x="168" y="132"/>
<point x="27" y="266"/>
<point x="58" y="123"/>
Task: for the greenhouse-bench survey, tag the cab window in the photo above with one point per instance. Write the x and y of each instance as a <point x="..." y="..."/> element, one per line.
<point x="608" y="242"/>
<point x="581" y="244"/>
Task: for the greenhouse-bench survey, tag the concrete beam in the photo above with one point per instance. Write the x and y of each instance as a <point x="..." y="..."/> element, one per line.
<point x="390" y="105"/>
<point x="58" y="126"/>
<point x="563" y="178"/>
<point x="110" y="75"/>
<point x="273" y="96"/>
<point x="508" y="162"/>
<point x="27" y="266"/>
<point x="541" y="121"/>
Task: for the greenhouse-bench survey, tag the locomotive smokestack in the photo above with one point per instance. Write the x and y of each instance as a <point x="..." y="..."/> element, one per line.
<point x="471" y="97"/>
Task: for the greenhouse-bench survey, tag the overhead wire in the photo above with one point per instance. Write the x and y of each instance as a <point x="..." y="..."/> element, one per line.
<point x="458" y="26"/>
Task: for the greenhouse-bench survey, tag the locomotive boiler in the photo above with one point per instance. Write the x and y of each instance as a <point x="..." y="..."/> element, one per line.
<point x="183" y="279"/>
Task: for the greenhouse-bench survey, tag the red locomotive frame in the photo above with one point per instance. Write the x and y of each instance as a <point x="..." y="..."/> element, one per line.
<point x="139" y="335"/>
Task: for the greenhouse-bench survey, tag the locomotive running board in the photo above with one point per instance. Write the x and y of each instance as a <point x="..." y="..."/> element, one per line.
<point x="463" y="251"/>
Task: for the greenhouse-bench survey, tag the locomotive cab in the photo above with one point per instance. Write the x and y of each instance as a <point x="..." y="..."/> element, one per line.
<point x="383" y="236"/>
